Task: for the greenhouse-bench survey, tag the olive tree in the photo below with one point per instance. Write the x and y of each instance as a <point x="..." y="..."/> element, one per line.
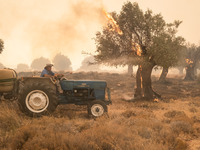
<point x="39" y="63"/>
<point x="1" y="49"/>
<point x="88" y="64"/>
<point x="147" y="41"/>
<point x="192" y="59"/>
<point x="62" y="63"/>
<point x="1" y="46"/>
<point x="22" y="68"/>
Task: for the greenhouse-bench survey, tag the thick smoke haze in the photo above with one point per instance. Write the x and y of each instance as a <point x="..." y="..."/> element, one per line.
<point x="31" y="29"/>
<point x="35" y="28"/>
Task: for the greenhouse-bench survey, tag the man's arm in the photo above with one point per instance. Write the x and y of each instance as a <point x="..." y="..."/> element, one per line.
<point x="46" y="75"/>
<point x="58" y="75"/>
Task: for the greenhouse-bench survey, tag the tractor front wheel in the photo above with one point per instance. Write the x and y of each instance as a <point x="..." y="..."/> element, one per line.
<point x="97" y="108"/>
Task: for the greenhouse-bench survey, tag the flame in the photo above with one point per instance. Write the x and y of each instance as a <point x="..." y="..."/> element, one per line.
<point x="136" y="48"/>
<point x="189" y="61"/>
<point x="114" y="24"/>
<point x="140" y="67"/>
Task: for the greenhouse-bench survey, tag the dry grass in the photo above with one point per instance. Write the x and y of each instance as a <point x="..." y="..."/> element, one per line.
<point x="198" y="78"/>
<point x="140" y="125"/>
<point x="129" y="130"/>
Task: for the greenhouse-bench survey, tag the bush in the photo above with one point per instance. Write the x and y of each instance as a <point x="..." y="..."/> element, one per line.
<point x="181" y="126"/>
<point x="8" y="117"/>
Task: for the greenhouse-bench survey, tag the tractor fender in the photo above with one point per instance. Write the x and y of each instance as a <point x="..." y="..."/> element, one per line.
<point x="45" y="80"/>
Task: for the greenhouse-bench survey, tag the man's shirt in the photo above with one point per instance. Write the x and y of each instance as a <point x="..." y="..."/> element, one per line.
<point x="46" y="72"/>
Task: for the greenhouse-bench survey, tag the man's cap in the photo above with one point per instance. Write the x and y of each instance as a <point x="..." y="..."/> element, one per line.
<point x="49" y="65"/>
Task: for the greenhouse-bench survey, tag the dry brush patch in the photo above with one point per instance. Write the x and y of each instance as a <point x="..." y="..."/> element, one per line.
<point x="129" y="130"/>
<point x="168" y="124"/>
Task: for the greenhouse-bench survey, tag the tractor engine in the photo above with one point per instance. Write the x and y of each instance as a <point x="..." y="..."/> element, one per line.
<point x="84" y="89"/>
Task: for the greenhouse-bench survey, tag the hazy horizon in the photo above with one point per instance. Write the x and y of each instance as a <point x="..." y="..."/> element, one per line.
<point x="31" y="29"/>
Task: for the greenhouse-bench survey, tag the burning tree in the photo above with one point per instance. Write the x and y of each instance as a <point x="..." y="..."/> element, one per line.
<point x="1" y="46"/>
<point x="192" y="58"/>
<point x="140" y="38"/>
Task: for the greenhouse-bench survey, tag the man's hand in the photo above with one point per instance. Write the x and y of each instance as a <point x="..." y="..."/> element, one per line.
<point x="46" y="75"/>
<point x="58" y="75"/>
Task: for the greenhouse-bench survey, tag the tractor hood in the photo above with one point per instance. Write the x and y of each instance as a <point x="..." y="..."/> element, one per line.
<point x="71" y="84"/>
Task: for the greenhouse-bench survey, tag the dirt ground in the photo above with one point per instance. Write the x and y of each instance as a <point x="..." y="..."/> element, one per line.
<point x="171" y="123"/>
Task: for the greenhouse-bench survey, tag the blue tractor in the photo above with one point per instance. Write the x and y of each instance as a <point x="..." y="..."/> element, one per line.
<point x="40" y="96"/>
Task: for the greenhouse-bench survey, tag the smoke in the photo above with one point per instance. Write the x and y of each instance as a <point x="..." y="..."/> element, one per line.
<point x="88" y="65"/>
<point x="47" y="27"/>
<point x="1" y="66"/>
<point x="68" y="32"/>
<point x="22" y="68"/>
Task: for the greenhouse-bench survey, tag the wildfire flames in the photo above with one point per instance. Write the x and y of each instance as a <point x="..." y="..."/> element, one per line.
<point x="140" y="67"/>
<point x="136" y="48"/>
<point x="114" y="24"/>
<point x="115" y="27"/>
<point x="189" y="61"/>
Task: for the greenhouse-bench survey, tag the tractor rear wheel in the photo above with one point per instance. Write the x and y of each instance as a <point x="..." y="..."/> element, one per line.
<point x="37" y="99"/>
<point x="97" y="108"/>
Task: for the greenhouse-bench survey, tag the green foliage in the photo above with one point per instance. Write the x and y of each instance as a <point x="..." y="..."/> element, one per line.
<point x="1" y="46"/>
<point x="157" y="39"/>
<point x="190" y="53"/>
<point x="193" y="53"/>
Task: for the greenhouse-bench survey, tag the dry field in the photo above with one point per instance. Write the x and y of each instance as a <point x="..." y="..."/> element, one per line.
<point x="172" y="123"/>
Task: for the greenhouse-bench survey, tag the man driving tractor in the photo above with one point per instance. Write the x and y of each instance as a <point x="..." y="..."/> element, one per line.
<point x="47" y="72"/>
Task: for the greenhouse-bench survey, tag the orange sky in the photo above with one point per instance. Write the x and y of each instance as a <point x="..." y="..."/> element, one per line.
<point x="35" y="28"/>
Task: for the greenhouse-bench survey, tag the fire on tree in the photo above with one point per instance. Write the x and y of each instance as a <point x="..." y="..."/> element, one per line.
<point x="142" y="39"/>
<point x="192" y="58"/>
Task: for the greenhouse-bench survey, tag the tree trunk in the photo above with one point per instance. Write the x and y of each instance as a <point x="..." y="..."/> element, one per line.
<point x="130" y="69"/>
<point x="143" y="81"/>
<point x="190" y="72"/>
<point x="138" y="90"/>
<point x="146" y="81"/>
<point x="195" y="71"/>
<point x="163" y="75"/>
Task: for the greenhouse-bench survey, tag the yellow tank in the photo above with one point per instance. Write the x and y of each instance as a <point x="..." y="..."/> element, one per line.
<point x="7" y="80"/>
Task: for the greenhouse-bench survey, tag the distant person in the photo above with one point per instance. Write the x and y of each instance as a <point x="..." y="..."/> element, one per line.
<point x="47" y="72"/>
